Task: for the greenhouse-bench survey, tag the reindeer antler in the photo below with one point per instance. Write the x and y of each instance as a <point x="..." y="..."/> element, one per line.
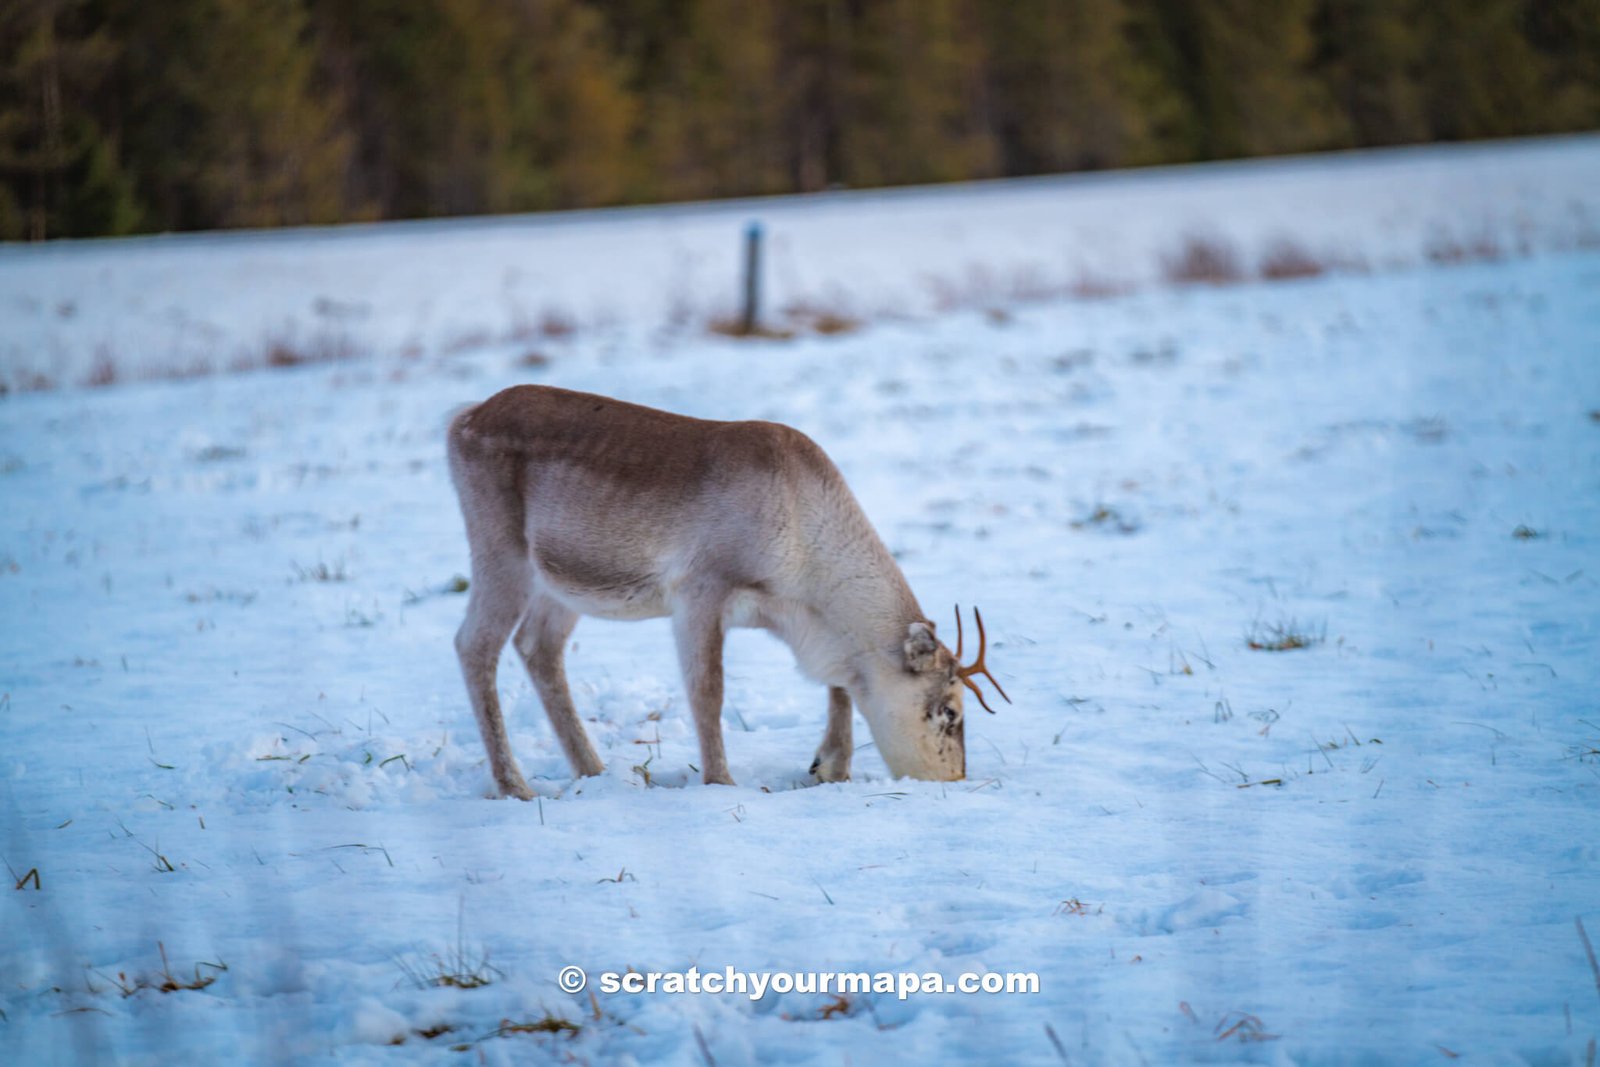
<point x="977" y="666"/>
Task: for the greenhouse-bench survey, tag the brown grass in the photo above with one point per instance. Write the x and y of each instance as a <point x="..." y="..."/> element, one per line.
<point x="830" y="323"/>
<point x="550" y="1024"/>
<point x="196" y="367"/>
<point x="165" y="981"/>
<point x="28" y="381"/>
<point x="1088" y="285"/>
<point x="468" y="341"/>
<point x="551" y="324"/>
<point x="1282" y="637"/>
<point x="733" y="326"/>
<point x="103" y="371"/>
<point x="1286" y="259"/>
<point x="1203" y="260"/>
<point x="1028" y="284"/>
<point x="987" y="289"/>
<point x="1104" y="517"/>
<point x="279" y="354"/>
<point x="557" y="325"/>
<point x="1445" y="249"/>
<point x="975" y="288"/>
<point x="290" y="351"/>
<point x="827" y="320"/>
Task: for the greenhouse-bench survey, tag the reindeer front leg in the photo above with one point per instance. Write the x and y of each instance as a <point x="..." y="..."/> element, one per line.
<point x="698" y="630"/>
<point x="833" y="755"/>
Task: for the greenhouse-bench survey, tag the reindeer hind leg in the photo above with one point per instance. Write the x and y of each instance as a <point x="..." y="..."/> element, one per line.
<point x="542" y="641"/>
<point x="498" y="599"/>
<point x="501" y="586"/>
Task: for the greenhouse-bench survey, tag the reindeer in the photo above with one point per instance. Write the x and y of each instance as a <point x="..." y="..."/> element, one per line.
<point x="578" y="504"/>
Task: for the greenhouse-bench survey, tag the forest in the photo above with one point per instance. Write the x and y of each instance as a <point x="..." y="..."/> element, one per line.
<point x="121" y="116"/>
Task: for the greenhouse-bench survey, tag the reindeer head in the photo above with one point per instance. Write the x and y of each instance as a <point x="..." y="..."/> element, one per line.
<point x="920" y="705"/>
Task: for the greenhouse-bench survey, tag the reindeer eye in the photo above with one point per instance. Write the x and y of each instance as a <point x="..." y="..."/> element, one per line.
<point x="949" y="713"/>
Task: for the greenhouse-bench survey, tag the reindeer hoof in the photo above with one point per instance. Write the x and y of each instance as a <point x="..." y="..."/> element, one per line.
<point x="517" y="790"/>
<point x="830" y="767"/>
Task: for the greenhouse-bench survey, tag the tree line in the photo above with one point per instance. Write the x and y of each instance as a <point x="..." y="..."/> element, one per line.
<point x="128" y="116"/>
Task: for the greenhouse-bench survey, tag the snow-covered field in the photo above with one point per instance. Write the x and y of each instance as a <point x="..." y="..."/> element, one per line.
<point x="232" y="729"/>
<point x="73" y="312"/>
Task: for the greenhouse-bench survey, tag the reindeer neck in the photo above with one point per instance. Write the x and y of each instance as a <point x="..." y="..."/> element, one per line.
<point x="858" y="598"/>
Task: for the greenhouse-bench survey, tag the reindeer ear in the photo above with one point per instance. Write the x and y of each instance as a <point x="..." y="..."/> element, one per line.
<point x="922" y="648"/>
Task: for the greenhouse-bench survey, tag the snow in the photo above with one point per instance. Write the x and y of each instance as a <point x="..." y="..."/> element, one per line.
<point x="182" y="305"/>
<point x="233" y="729"/>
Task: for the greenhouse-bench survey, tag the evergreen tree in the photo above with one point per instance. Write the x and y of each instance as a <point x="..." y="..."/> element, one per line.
<point x="62" y="173"/>
<point x="1161" y="38"/>
<point x="1244" y="66"/>
<point x="117" y="116"/>
<point x="909" y="98"/>
<point x="576" y="111"/>
<point x="1479" y="75"/>
<point x="466" y="106"/>
<point x="1367" y="56"/>
<point x="710" y="110"/>
<point x="1566" y="33"/>
<point x="272" y="143"/>
<point x="1064" y="85"/>
<point x="220" y="103"/>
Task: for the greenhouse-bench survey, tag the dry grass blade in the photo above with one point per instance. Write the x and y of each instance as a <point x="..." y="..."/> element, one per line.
<point x="549" y="1024"/>
<point x="705" y="1049"/>
<point x="456" y="969"/>
<point x="1588" y="951"/>
<point x="1050" y="1032"/>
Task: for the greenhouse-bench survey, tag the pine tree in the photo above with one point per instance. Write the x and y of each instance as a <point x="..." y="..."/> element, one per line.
<point x="710" y="108"/>
<point x="1566" y="34"/>
<point x="1367" y="56"/>
<point x="909" y="100"/>
<point x="468" y="106"/>
<point x="577" y="113"/>
<point x="1064" y="84"/>
<point x="62" y="175"/>
<point x="116" y="116"/>
<point x="1479" y="75"/>
<point x="221" y="105"/>
<point x="1244" y="67"/>
<point x="272" y="142"/>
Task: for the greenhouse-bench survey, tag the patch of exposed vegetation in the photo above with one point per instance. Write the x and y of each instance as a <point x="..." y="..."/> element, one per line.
<point x="164" y="981"/>
<point x="1107" y="518"/>
<point x="1283" y="636"/>
<point x="1286" y="259"/>
<point x="321" y="572"/>
<point x="1203" y="260"/>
